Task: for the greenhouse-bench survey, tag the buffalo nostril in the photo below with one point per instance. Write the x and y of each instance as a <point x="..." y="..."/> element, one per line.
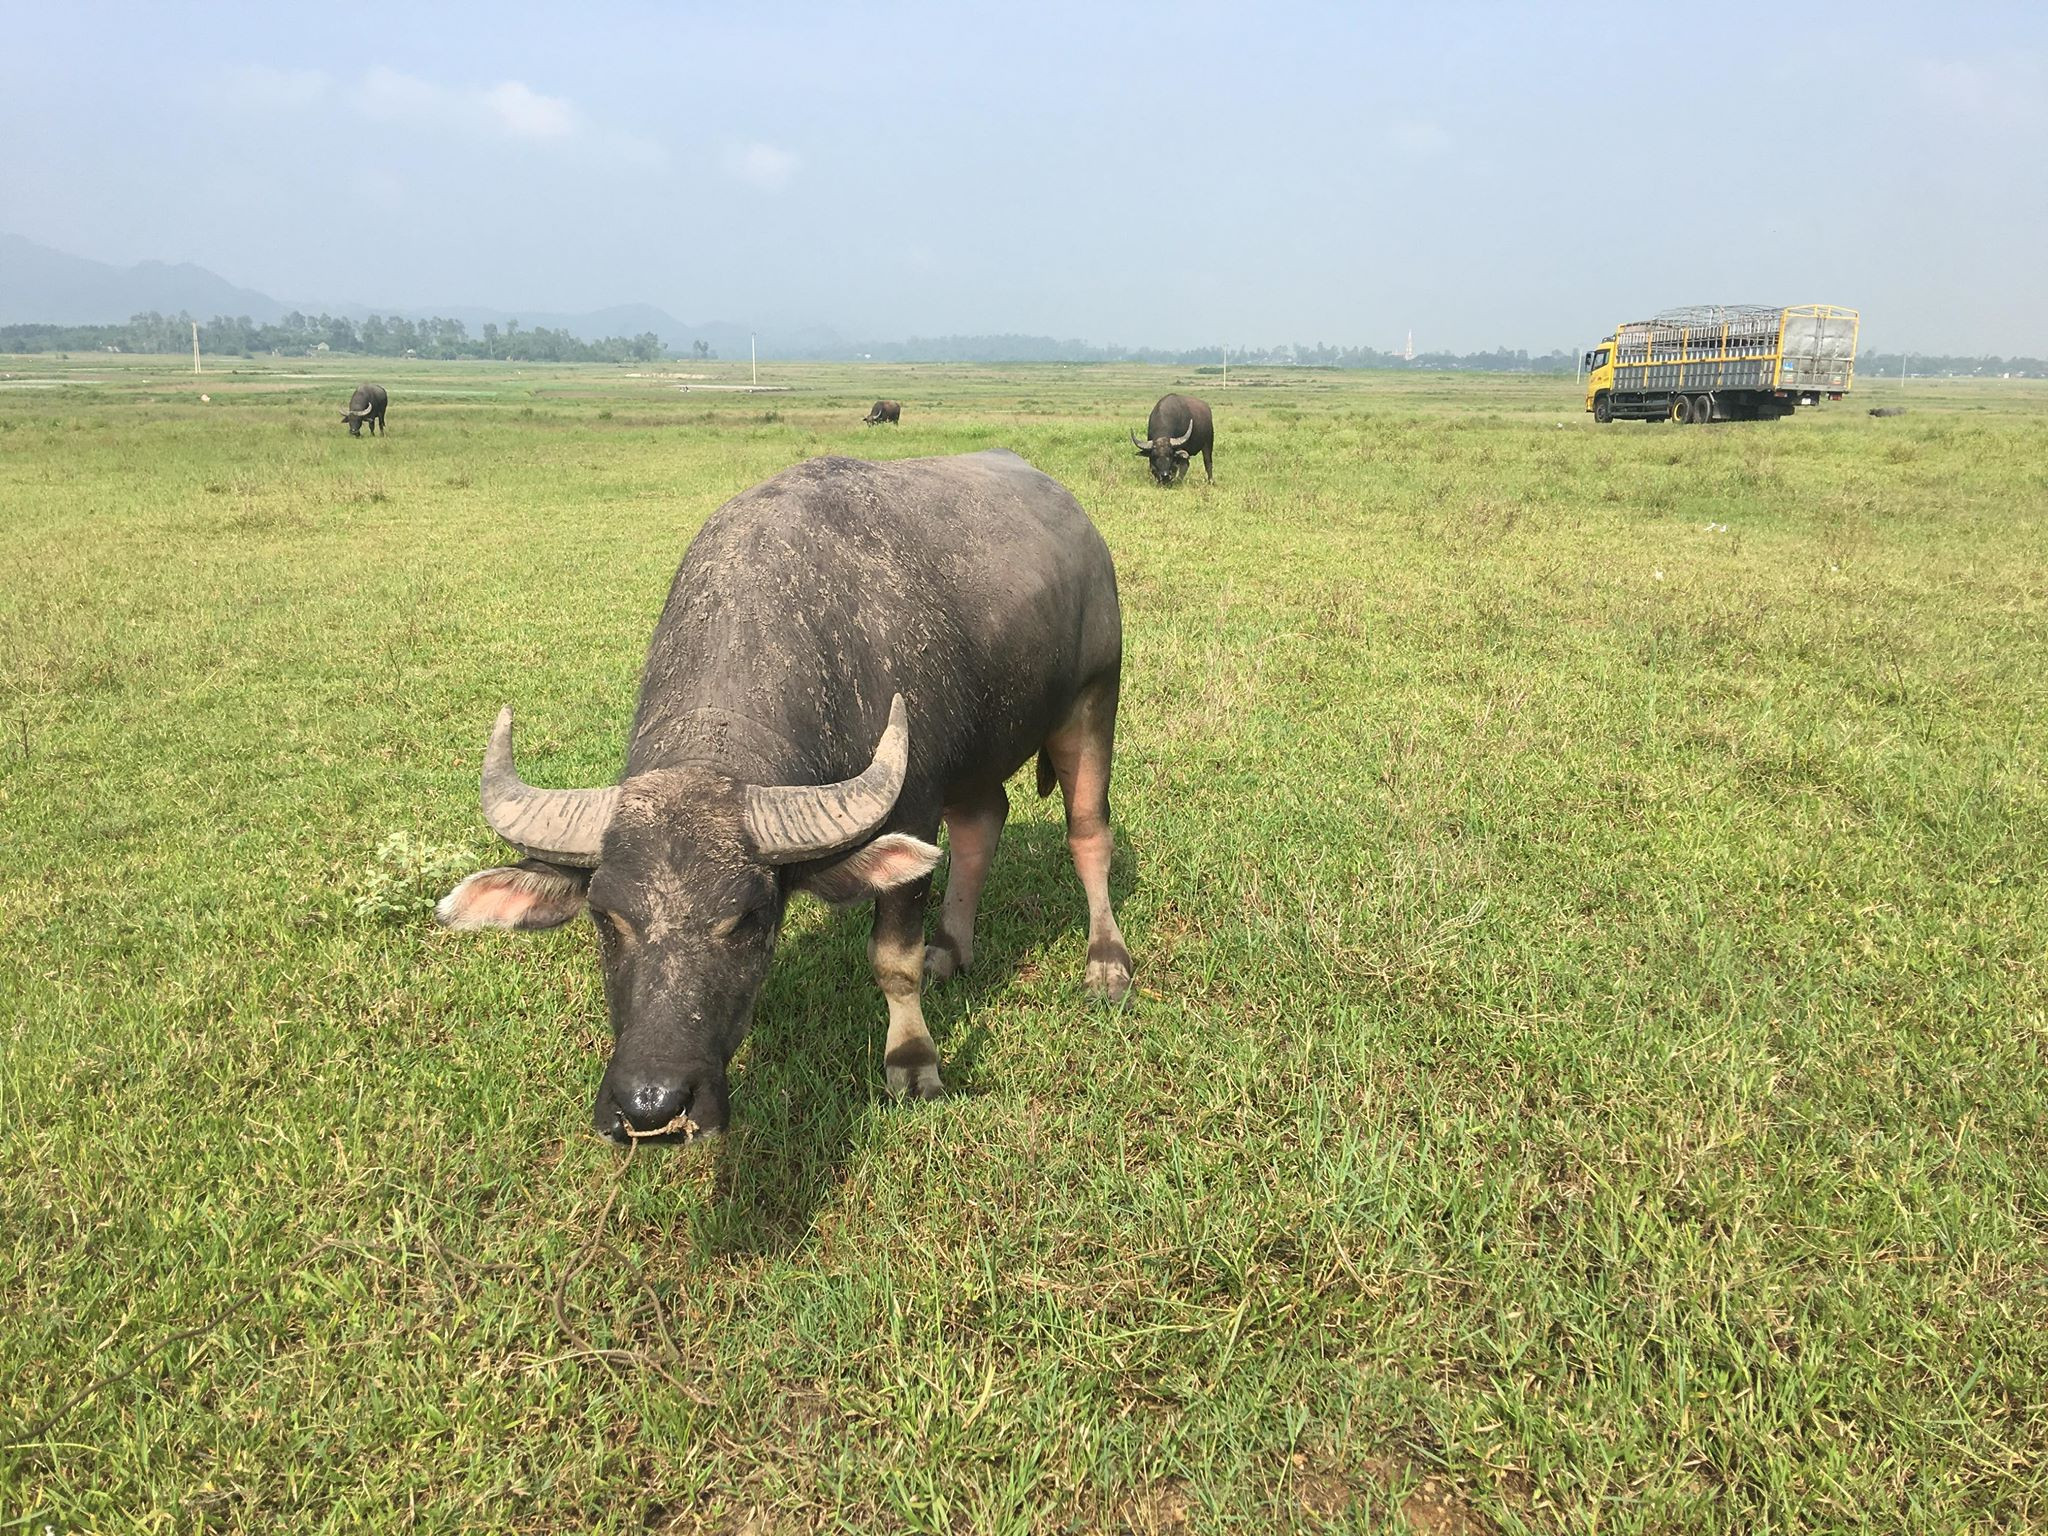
<point x="660" y="1106"/>
<point x="652" y="1106"/>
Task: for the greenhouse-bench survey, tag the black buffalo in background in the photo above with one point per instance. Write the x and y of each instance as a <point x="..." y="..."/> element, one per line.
<point x="366" y="404"/>
<point x="890" y="411"/>
<point x="1179" y="427"/>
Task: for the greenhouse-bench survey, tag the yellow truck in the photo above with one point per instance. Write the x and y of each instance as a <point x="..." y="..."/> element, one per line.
<point x="1722" y="362"/>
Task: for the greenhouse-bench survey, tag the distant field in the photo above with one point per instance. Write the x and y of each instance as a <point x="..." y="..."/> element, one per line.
<point x="1585" y="884"/>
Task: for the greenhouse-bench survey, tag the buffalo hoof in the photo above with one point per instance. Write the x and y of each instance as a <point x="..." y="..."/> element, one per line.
<point x="1109" y="972"/>
<point x="913" y="1068"/>
<point x="941" y="963"/>
<point x="918" y="1082"/>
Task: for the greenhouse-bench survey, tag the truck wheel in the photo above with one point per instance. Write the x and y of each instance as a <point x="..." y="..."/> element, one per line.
<point x="1681" y="410"/>
<point x="1603" y="408"/>
<point x="1702" y="409"/>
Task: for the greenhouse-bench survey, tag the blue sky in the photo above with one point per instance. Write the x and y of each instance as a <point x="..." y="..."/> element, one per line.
<point x="1163" y="175"/>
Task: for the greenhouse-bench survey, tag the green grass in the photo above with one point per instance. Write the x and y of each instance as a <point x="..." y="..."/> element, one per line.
<point x="1585" y="885"/>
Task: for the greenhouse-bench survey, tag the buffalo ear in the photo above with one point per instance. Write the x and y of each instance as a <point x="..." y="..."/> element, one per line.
<point x="1180" y="453"/>
<point x="894" y="859"/>
<point x="519" y="897"/>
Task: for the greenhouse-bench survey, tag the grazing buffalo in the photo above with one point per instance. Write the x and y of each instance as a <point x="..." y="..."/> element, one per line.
<point x="885" y="410"/>
<point x="850" y="653"/>
<point x="1888" y="410"/>
<point x="366" y="404"/>
<point x="1178" y="427"/>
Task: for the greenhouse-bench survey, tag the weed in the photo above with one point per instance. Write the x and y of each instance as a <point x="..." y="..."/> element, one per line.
<point x="406" y="876"/>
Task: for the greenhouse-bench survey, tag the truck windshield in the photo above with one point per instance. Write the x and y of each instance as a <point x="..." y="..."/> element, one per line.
<point x="1600" y="358"/>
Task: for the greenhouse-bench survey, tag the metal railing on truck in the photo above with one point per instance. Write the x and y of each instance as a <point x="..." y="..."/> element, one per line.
<point x="1737" y="346"/>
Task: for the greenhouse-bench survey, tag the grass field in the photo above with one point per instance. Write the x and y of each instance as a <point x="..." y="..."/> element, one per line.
<point x="1586" y="1073"/>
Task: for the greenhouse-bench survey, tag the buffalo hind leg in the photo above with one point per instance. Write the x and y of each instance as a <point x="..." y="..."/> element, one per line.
<point x="896" y="949"/>
<point x="974" y="824"/>
<point x="1209" y="464"/>
<point x="1079" y="752"/>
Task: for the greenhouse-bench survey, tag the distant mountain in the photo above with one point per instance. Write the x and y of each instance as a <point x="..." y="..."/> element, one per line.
<point x="41" y="288"/>
<point x="39" y="285"/>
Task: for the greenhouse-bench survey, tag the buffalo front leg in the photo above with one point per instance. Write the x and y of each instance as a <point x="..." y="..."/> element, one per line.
<point x="974" y="825"/>
<point x="897" y="951"/>
<point x="1080" y="752"/>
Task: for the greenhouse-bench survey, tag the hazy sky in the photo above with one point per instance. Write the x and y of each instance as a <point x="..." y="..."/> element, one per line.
<point x="1164" y="175"/>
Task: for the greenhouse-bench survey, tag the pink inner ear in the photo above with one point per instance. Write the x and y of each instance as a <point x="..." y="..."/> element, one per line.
<point x="511" y="898"/>
<point x="894" y="860"/>
<point x="500" y="907"/>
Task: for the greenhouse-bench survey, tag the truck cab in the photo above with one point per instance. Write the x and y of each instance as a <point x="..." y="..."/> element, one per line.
<point x="1600" y="379"/>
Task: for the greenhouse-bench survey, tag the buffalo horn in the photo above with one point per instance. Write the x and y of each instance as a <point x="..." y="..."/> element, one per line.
<point x="562" y="826"/>
<point x="1141" y="447"/>
<point x="789" y="823"/>
<point x="1175" y="442"/>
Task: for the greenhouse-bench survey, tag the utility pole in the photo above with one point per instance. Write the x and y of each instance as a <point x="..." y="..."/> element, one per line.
<point x="754" y="357"/>
<point x="195" y="346"/>
<point x="1226" y="369"/>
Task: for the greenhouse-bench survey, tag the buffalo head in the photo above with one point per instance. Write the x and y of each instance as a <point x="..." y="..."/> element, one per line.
<point x="1168" y="455"/>
<point x="685" y="875"/>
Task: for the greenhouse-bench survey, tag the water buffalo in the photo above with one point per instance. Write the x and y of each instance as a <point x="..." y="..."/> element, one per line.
<point x="962" y="613"/>
<point x="890" y="411"/>
<point x="1178" y="427"/>
<point x="1889" y="410"/>
<point x="366" y="404"/>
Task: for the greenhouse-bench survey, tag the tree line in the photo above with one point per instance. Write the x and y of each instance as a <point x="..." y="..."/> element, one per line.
<point x="296" y="334"/>
<point x="1875" y="365"/>
<point x="397" y="336"/>
<point x="1046" y="349"/>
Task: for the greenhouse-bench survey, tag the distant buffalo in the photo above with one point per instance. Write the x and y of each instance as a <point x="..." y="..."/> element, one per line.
<point x="890" y="411"/>
<point x="366" y="404"/>
<point x="1179" y="427"/>
<point x="1888" y="410"/>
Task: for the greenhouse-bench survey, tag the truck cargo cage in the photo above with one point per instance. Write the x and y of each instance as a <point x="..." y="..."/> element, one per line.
<point x="1806" y="348"/>
<point x="1741" y="317"/>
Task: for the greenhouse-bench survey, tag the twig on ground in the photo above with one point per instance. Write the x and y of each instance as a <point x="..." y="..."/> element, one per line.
<point x="593" y="1245"/>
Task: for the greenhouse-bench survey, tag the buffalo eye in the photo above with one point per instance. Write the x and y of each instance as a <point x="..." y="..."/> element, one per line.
<point x="614" y="927"/>
<point x="740" y="924"/>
